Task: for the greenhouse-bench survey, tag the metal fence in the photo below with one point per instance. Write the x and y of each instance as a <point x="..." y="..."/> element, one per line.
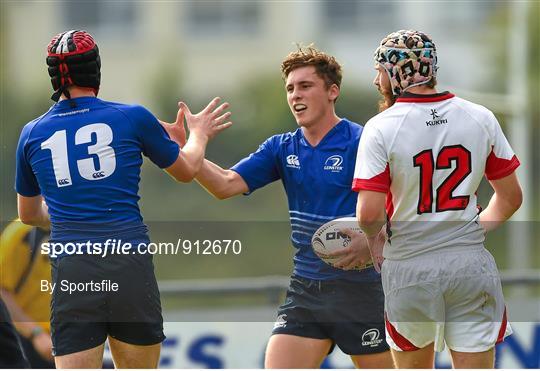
<point x="274" y="286"/>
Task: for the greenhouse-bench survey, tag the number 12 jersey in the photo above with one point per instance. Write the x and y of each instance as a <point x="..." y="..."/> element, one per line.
<point x="429" y="153"/>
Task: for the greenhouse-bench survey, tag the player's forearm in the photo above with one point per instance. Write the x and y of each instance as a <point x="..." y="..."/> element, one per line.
<point x="215" y="180"/>
<point x="497" y="212"/>
<point x="22" y="322"/>
<point x="370" y="212"/>
<point x="371" y="228"/>
<point x="33" y="211"/>
<point x="193" y="153"/>
<point x="43" y="220"/>
<point x="371" y="223"/>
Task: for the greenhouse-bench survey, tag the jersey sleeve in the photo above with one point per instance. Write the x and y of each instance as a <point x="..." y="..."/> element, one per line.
<point x="259" y="168"/>
<point x="26" y="183"/>
<point x="372" y="172"/>
<point x="501" y="161"/>
<point x="156" y="143"/>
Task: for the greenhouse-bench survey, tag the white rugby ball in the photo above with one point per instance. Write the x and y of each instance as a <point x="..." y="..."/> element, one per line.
<point x="329" y="238"/>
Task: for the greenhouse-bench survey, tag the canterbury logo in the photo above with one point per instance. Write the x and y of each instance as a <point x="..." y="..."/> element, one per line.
<point x="292" y="161"/>
<point x="98" y="175"/>
<point x="62" y="182"/>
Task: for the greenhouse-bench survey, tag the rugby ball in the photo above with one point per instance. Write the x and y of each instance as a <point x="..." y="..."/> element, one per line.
<point x="329" y="238"/>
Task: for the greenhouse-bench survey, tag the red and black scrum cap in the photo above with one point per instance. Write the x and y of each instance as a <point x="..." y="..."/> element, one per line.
<point x="73" y="59"/>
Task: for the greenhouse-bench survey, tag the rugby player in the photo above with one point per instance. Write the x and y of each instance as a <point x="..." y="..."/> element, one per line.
<point x="424" y="157"/>
<point x="325" y="305"/>
<point x="11" y="354"/>
<point x="23" y="268"/>
<point x="78" y="168"/>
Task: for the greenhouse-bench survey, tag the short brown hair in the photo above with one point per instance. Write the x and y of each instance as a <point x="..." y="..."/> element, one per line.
<point x="325" y="65"/>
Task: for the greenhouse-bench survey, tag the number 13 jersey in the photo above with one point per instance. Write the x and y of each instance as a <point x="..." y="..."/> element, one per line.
<point x="85" y="160"/>
<point x="429" y="153"/>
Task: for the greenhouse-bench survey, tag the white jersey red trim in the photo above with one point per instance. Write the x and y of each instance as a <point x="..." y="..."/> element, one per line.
<point x="430" y="153"/>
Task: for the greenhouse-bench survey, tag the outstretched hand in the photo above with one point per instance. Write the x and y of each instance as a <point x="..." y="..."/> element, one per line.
<point x="210" y="121"/>
<point x="176" y="130"/>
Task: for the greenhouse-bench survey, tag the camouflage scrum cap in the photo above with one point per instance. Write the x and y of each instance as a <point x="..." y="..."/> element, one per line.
<point x="409" y="57"/>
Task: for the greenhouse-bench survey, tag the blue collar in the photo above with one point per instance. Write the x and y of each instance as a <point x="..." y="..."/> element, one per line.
<point x="66" y="103"/>
<point x="337" y="137"/>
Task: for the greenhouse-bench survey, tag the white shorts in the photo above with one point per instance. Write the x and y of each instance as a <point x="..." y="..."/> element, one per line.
<point x="453" y="297"/>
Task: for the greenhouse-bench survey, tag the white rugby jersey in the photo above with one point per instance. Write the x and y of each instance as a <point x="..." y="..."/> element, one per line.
<point x="429" y="154"/>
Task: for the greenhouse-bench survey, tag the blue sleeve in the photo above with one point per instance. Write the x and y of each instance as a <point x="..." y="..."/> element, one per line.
<point x="156" y="143"/>
<point x="25" y="180"/>
<point x="259" y="168"/>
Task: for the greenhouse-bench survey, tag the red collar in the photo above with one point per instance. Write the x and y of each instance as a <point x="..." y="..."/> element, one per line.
<point x="418" y="98"/>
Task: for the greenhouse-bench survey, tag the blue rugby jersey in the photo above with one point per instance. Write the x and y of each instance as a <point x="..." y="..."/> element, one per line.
<point x="318" y="183"/>
<point x="85" y="161"/>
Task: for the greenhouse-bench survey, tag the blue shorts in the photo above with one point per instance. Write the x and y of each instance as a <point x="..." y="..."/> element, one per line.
<point x="351" y="314"/>
<point x="84" y="318"/>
